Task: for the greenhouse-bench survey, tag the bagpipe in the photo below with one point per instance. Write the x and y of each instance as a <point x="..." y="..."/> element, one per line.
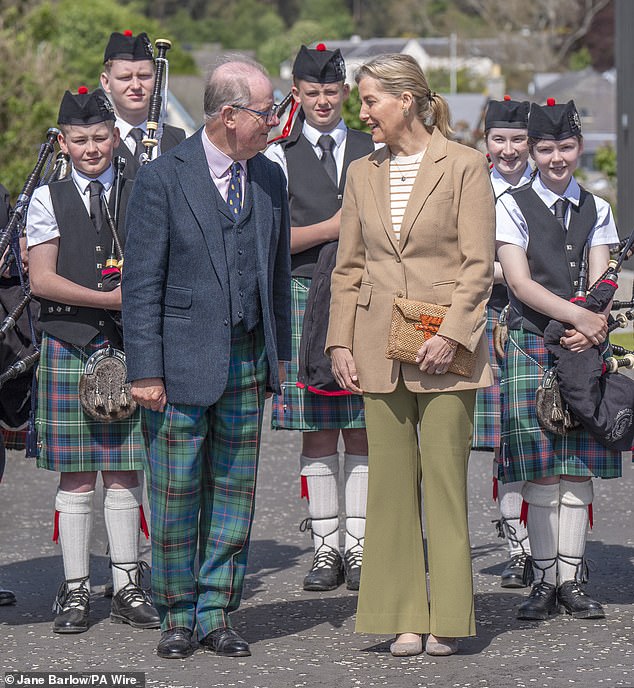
<point x="155" y="107"/>
<point x="592" y="392"/>
<point x="19" y="334"/>
<point x="280" y="110"/>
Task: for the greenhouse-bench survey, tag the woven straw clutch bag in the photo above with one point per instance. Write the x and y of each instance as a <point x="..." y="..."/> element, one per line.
<point x="413" y="322"/>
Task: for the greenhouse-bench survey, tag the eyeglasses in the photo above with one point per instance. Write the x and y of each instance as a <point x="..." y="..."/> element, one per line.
<point x="267" y="115"/>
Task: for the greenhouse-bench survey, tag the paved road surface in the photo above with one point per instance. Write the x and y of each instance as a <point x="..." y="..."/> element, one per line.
<point x="307" y="639"/>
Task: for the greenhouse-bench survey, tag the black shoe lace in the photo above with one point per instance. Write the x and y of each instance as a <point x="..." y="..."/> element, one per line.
<point x="132" y="594"/>
<point x="517" y="561"/>
<point x="353" y="557"/>
<point x="541" y="590"/>
<point x="66" y="599"/>
<point x="134" y="591"/>
<point x="574" y="588"/>
<point x="326" y="558"/>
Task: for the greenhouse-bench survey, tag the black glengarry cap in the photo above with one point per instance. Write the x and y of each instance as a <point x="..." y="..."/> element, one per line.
<point x="319" y="65"/>
<point x="127" y="46"/>
<point x="554" y="121"/>
<point x="506" y="114"/>
<point x="85" y="108"/>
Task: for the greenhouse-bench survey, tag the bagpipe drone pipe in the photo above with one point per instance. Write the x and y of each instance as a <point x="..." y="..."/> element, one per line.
<point x="19" y="333"/>
<point x="599" y="397"/>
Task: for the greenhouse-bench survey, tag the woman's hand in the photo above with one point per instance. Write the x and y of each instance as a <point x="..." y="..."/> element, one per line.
<point x="436" y="355"/>
<point x="344" y="369"/>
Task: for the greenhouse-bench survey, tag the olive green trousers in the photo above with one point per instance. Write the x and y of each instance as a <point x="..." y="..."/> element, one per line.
<point x="393" y="597"/>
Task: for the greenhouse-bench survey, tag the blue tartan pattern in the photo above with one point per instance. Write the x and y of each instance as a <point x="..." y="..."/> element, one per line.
<point x="203" y="465"/>
<point x="299" y="409"/>
<point x="528" y="451"/>
<point x="69" y="440"/>
<point x="488" y="410"/>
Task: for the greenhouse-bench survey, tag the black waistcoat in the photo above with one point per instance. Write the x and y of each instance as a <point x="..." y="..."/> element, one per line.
<point x="554" y="254"/>
<point x="239" y="237"/>
<point x="312" y="195"/>
<point x="171" y="137"/>
<point x="82" y="254"/>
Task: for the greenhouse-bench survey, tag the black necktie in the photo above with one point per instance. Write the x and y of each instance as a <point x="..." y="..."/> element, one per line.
<point x="561" y="204"/>
<point x="96" y="214"/>
<point x="327" y="143"/>
<point x="234" y="194"/>
<point x="138" y="136"/>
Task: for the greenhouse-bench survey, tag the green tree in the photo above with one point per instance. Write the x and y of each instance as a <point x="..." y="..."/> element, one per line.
<point x="605" y="161"/>
<point x="46" y="48"/>
<point x="351" y="111"/>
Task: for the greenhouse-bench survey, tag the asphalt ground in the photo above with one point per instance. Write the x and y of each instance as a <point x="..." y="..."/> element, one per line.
<point x="307" y="639"/>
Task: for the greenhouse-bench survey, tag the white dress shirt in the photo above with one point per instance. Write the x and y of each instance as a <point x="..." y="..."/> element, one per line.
<point x="41" y="223"/>
<point x="511" y="227"/>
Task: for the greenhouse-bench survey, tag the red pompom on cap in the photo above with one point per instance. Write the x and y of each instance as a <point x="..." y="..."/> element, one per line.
<point x="128" y="33"/>
<point x="550" y="102"/>
<point x="320" y="46"/>
<point x="507" y="97"/>
<point x="82" y="90"/>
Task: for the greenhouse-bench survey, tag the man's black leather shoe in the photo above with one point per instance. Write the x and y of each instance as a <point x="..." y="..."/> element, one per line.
<point x="326" y="572"/>
<point x="513" y="574"/>
<point x="7" y="597"/>
<point x="541" y="603"/>
<point x="73" y="606"/>
<point x="575" y="601"/>
<point x="226" y="642"/>
<point x="175" y="644"/>
<point x="131" y="605"/>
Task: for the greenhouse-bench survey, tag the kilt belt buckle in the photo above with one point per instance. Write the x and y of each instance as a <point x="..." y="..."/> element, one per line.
<point x="103" y="390"/>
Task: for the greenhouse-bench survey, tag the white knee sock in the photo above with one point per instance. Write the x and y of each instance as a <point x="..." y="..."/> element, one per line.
<point x="573" y="527"/>
<point x="543" y="529"/>
<point x="356" y="493"/>
<point x="121" y="513"/>
<point x="145" y="543"/>
<point x="323" y="502"/>
<point x="75" y="531"/>
<point x="510" y="499"/>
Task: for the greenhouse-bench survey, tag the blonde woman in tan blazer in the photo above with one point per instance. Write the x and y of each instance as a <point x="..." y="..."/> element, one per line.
<point x="418" y="222"/>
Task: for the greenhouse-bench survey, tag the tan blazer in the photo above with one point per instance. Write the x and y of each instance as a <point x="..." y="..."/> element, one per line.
<point x="445" y="256"/>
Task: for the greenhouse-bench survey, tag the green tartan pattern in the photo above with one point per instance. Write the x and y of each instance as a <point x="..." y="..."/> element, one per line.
<point x="528" y="451"/>
<point x="487" y="414"/>
<point x="203" y="465"/>
<point x="69" y="440"/>
<point x="299" y="409"/>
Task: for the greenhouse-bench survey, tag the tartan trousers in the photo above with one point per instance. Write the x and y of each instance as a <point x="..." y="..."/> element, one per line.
<point x="202" y="468"/>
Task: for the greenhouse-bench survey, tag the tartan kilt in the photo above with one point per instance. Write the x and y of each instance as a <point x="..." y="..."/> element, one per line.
<point x="299" y="409"/>
<point x="528" y="451"/>
<point x="486" y="418"/>
<point x="68" y="439"/>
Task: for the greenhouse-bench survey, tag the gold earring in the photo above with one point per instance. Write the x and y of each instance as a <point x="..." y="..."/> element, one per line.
<point x="405" y="113"/>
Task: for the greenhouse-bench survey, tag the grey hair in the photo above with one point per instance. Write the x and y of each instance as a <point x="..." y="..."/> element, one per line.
<point x="229" y="86"/>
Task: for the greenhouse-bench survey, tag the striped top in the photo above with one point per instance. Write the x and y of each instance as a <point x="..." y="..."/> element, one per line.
<point x="403" y="171"/>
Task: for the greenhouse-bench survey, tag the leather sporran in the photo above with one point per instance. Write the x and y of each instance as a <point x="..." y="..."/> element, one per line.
<point x="103" y="391"/>
<point x="500" y="334"/>
<point x="552" y="412"/>
<point x="413" y="323"/>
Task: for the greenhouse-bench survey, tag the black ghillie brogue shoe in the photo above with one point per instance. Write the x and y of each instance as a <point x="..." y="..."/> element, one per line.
<point x="326" y="572"/>
<point x="541" y="603"/>
<point x="72" y="607"/>
<point x="576" y="602"/>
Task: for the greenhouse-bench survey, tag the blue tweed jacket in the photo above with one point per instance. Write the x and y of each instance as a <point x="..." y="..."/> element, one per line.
<point x="175" y="289"/>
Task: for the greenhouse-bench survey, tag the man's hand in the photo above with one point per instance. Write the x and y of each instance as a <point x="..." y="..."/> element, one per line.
<point x="150" y="393"/>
